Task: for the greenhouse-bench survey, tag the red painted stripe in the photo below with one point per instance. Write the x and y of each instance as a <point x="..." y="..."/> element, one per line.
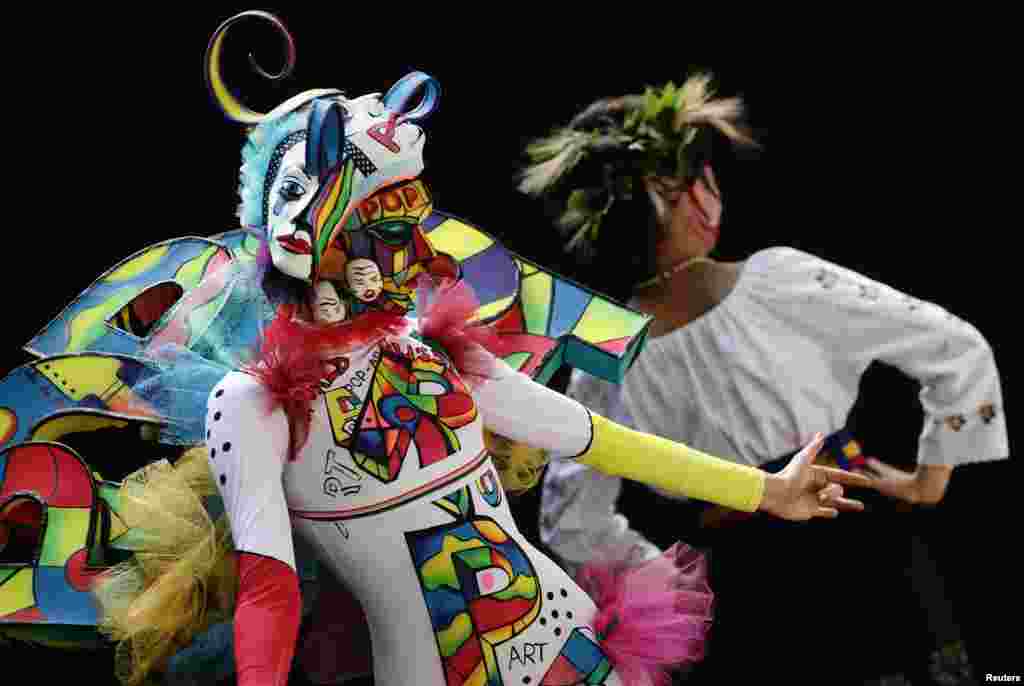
<point x="335" y="515"/>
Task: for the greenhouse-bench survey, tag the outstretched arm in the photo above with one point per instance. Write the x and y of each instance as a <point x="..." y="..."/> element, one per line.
<point x="247" y="449"/>
<point x="515" y="406"/>
<point x="862" y="321"/>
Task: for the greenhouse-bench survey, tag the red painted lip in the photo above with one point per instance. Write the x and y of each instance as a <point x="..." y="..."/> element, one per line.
<point x="297" y="246"/>
<point x="370" y="295"/>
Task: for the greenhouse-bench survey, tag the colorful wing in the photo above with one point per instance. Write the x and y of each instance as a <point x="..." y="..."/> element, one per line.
<point x="547" y="319"/>
<point x="59" y="521"/>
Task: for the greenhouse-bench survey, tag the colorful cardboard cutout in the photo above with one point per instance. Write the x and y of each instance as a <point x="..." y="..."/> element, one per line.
<point x="67" y="527"/>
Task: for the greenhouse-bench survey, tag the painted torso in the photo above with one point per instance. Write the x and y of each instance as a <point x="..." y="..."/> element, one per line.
<point x="395" y="489"/>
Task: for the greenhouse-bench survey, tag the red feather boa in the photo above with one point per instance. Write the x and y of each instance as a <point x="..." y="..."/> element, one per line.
<point x="446" y="311"/>
<point x="294" y="354"/>
<point x="293" y="358"/>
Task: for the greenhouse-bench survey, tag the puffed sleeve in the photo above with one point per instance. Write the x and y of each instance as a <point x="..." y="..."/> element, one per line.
<point x="862" y="321"/>
<point x="515" y="406"/>
<point x="578" y="512"/>
<point x="248" y="445"/>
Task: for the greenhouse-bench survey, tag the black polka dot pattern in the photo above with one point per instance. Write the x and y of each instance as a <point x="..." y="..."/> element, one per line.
<point x="219" y="393"/>
<point x="555" y="620"/>
<point x="223" y="479"/>
<point x="275" y="165"/>
<point x="555" y="614"/>
<point x="226" y="447"/>
<point x="216" y="416"/>
<point x="362" y="162"/>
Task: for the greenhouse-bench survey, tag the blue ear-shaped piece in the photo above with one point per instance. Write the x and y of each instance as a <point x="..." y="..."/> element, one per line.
<point x="401" y="95"/>
<point x="325" y="137"/>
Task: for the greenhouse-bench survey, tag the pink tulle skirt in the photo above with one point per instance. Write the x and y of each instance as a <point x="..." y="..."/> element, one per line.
<point x="653" y="617"/>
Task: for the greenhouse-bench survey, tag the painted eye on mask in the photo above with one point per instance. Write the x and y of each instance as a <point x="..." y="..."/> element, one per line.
<point x="292" y="191"/>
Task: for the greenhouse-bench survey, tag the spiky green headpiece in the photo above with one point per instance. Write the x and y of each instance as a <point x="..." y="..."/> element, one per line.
<point x="630" y="137"/>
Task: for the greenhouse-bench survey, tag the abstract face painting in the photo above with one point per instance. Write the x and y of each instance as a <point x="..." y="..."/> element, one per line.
<point x="348" y="150"/>
<point x="364" y="279"/>
<point x="328" y="306"/>
<point x="310" y="162"/>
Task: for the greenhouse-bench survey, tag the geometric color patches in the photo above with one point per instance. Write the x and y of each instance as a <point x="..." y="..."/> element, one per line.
<point x="479" y="587"/>
<point x="97" y="385"/>
<point x="489" y="488"/>
<point x="89" y="322"/>
<point x="545" y="320"/>
<point x="580" y="661"/>
<point x="50" y="583"/>
<point x="417" y="402"/>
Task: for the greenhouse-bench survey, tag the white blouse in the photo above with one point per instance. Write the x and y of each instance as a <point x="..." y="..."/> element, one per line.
<point x="780" y="359"/>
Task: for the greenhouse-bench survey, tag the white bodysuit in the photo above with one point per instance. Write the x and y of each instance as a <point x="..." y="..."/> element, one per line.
<point x="396" y="491"/>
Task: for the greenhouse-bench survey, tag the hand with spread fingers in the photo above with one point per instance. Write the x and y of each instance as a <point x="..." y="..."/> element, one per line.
<point x="926" y="485"/>
<point x="804" y="490"/>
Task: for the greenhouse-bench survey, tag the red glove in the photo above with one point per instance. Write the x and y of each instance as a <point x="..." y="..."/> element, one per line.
<point x="267" y="619"/>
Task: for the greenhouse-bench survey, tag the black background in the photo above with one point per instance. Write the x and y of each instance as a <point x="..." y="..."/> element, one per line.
<point x="886" y="149"/>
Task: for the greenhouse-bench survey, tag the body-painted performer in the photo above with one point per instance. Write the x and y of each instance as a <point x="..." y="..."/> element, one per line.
<point x="365" y="438"/>
<point x="747" y="357"/>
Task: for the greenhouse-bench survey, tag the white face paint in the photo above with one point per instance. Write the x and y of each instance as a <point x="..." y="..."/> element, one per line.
<point x="328" y="307"/>
<point x="291" y="248"/>
<point x="364" y="279"/>
<point x="384" y="151"/>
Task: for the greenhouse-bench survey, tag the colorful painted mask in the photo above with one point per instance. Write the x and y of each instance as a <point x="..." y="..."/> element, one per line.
<point x="313" y="160"/>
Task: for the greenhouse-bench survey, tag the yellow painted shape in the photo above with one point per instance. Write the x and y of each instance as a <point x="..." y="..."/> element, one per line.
<point x="117" y="527"/>
<point x="491" y="531"/>
<point x="458" y="239"/>
<point x="449" y="507"/>
<point x="192" y="271"/>
<point x="16" y="593"/>
<point x="423" y="364"/>
<point x="851" y="449"/>
<point x="499" y="635"/>
<point x="439" y="571"/>
<point x="398" y="261"/>
<point x="535" y="292"/>
<point x="67" y="529"/>
<point x="455" y="634"/>
<point x="55" y="428"/>
<point x="493" y="309"/>
<point x="138" y="265"/>
<point x="526" y="269"/>
<point x="523" y="587"/>
<point x="604" y="320"/>
<point x="89" y="375"/>
<point x="526" y="621"/>
<point x="478" y="677"/>
<point x="8" y="424"/>
<point x="84" y="328"/>
<point x="490" y="659"/>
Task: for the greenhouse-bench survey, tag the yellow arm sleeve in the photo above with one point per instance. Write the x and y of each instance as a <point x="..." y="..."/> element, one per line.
<point x="619" y="451"/>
